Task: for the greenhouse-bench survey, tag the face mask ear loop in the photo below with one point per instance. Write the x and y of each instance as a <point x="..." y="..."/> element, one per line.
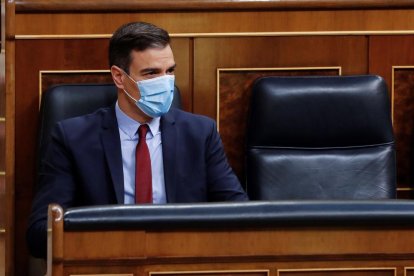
<point x="129" y="95"/>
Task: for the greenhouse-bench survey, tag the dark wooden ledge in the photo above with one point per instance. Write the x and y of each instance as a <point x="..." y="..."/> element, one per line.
<point x="41" y="6"/>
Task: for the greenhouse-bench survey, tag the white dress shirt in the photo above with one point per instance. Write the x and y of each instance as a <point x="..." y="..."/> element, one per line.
<point x="128" y="133"/>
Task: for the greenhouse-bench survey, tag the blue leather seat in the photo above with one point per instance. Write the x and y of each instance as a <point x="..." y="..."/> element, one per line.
<point x="320" y="138"/>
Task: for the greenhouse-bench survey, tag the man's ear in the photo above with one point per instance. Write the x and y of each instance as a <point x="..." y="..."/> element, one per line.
<point x="117" y="76"/>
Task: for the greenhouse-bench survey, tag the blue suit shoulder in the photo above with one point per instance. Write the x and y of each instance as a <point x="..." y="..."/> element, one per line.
<point x="190" y="121"/>
<point x="95" y="117"/>
<point x="78" y="127"/>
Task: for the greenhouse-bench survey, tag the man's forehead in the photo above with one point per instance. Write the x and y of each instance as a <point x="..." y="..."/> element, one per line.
<point x="153" y="57"/>
<point x="155" y="52"/>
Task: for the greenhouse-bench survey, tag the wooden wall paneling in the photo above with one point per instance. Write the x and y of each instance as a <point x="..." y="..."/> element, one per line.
<point x="214" y="21"/>
<point x="2" y="225"/>
<point x="263" y="266"/>
<point x="339" y="272"/>
<point x="8" y="86"/>
<point x="408" y="271"/>
<point x="124" y="269"/>
<point x="208" y="267"/>
<point x="2" y="85"/>
<point x="386" y="56"/>
<point x="60" y="61"/>
<point x="2" y="146"/>
<point x="286" y="243"/>
<point x="56" y="77"/>
<point x="3" y="206"/>
<point x="140" y="5"/>
<point x="105" y="272"/>
<point x="210" y="54"/>
<point x="403" y="122"/>
<point x="183" y="55"/>
<point x="246" y="272"/>
<point x="247" y="267"/>
<point x="348" y="53"/>
<point x="166" y="270"/>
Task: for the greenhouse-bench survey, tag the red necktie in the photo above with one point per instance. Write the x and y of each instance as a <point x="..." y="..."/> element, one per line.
<point x="143" y="178"/>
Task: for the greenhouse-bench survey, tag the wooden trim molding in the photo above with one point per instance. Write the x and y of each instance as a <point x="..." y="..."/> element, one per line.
<point x="51" y="6"/>
<point x="405" y="189"/>
<point x="238" y="34"/>
<point x="202" y="272"/>
<point x="101" y="274"/>
<point x="406" y="270"/>
<point x="338" y="269"/>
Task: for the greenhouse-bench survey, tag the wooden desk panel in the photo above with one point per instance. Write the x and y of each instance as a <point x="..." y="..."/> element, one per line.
<point x="312" y="251"/>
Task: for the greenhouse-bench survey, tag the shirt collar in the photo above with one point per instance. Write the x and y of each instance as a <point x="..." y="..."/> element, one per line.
<point x="130" y="127"/>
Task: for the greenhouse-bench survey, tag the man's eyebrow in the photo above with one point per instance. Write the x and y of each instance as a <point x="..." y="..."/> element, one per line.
<point x="156" y="70"/>
<point x="148" y="70"/>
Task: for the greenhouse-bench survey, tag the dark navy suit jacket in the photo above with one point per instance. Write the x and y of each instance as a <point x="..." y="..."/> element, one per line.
<point x="83" y="166"/>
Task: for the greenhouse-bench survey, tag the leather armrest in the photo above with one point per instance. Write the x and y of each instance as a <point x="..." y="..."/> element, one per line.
<point x="241" y="215"/>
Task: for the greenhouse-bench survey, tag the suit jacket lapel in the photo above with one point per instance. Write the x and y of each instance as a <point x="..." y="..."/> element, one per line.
<point x="169" y="140"/>
<point x="112" y="149"/>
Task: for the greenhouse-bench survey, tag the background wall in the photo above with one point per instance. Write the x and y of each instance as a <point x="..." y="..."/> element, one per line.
<point x="220" y="47"/>
<point x="2" y="146"/>
<point x="6" y="157"/>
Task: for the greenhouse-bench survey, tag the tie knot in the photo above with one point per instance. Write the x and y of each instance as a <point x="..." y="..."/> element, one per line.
<point x="142" y="131"/>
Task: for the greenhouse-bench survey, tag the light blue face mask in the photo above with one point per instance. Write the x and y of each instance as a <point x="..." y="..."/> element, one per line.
<point x="156" y="95"/>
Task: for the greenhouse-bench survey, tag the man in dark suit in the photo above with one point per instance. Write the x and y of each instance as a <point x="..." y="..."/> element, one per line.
<point x="137" y="151"/>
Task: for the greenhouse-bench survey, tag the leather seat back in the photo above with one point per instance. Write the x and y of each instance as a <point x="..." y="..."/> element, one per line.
<point x="320" y="138"/>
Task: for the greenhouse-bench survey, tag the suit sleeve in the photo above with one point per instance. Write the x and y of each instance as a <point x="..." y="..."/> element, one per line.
<point x="56" y="184"/>
<point x="223" y="185"/>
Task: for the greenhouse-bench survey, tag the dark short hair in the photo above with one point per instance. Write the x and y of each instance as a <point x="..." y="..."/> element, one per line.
<point x="137" y="36"/>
